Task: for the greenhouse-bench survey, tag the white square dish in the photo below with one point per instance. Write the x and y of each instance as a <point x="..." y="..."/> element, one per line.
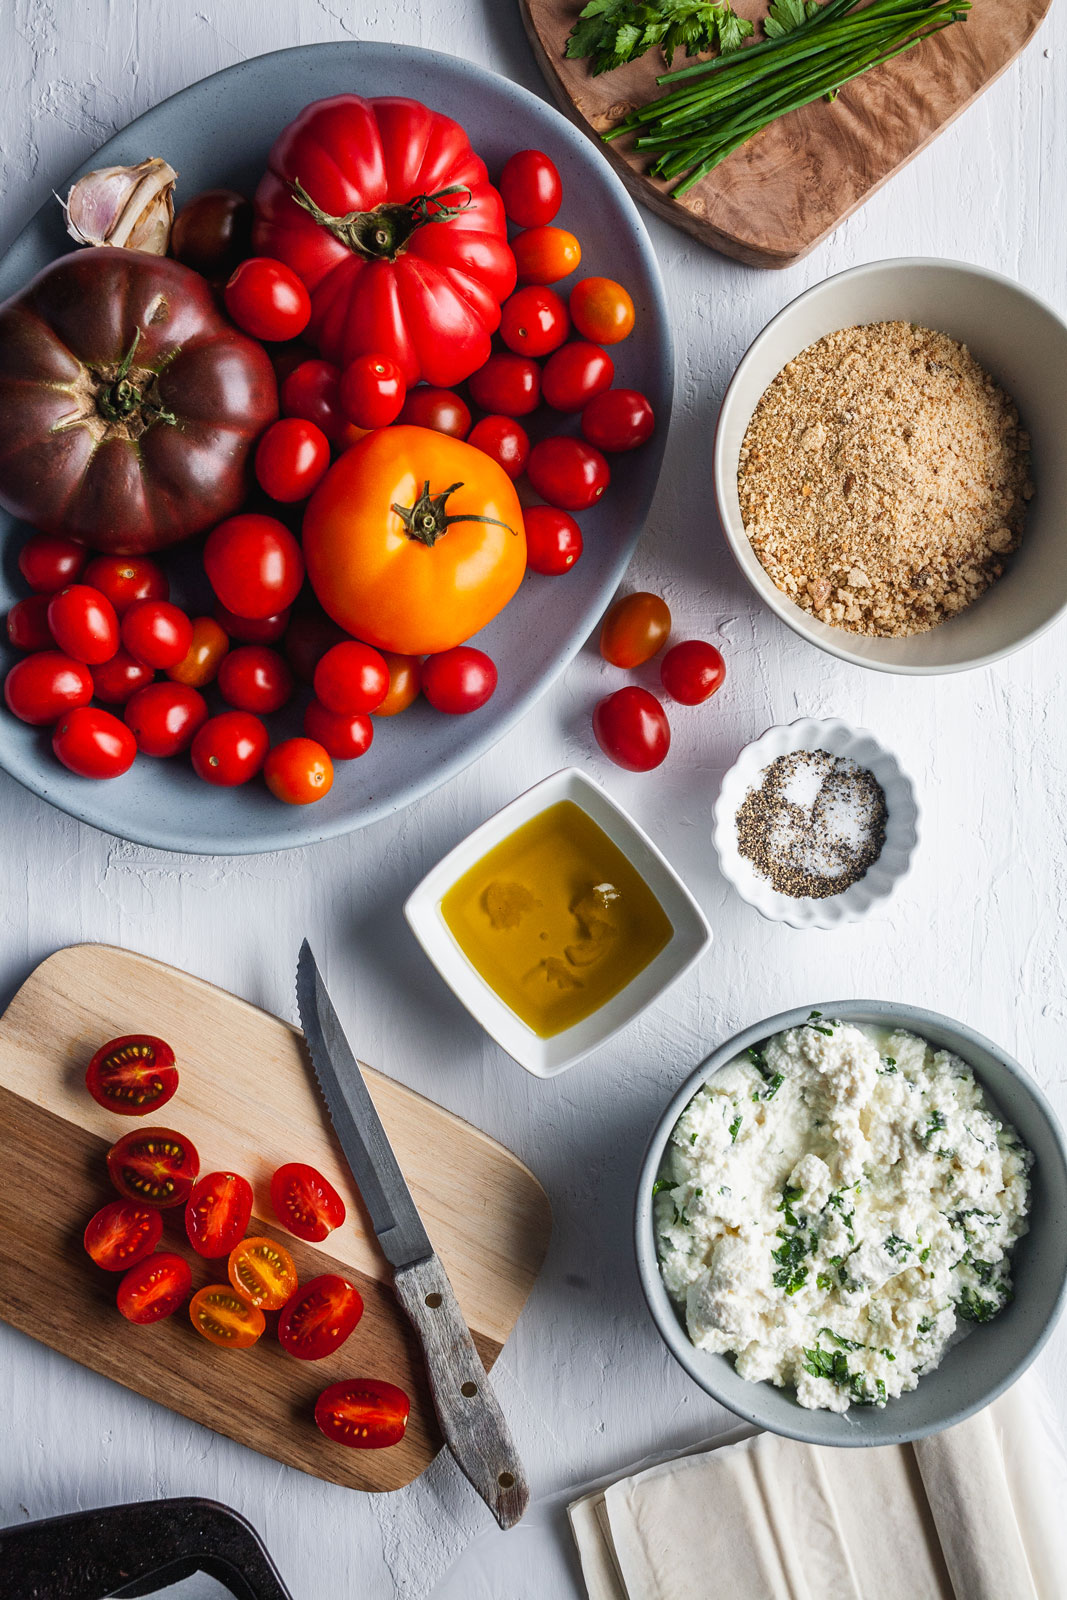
<point x="691" y="933"/>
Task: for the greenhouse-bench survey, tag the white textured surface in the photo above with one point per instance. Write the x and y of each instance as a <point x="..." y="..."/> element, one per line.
<point x="975" y="931"/>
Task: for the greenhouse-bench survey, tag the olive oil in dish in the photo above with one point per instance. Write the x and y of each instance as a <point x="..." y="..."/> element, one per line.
<point x="556" y="919"/>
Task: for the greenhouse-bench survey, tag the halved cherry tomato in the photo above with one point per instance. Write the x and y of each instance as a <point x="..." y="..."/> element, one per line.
<point x="530" y="188"/>
<point x="405" y="682"/>
<point x="439" y="409"/>
<point x="165" y="718"/>
<point x="251" y="630"/>
<point x="505" y="440"/>
<point x="230" y="749"/>
<point x="352" y="677"/>
<point x="372" y="391"/>
<point x="133" y="1074"/>
<point x="155" y="1165"/>
<point x="47" y="561"/>
<point x="304" y="1202"/>
<point x="344" y="735"/>
<point x="575" y="374"/>
<point x="534" y="322"/>
<point x="217" y="1213"/>
<point x="692" y="671"/>
<point x="255" y="678"/>
<point x="318" y="1319"/>
<point x="266" y="299"/>
<point x="94" y="743"/>
<point x="27" y="623"/>
<point x="154" y="1288"/>
<point x="122" y="1233"/>
<point x="291" y="459"/>
<point x="507" y="384"/>
<point x="84" y="623"/>
<point x="263" y="1271"/>
<point x="200" y="664"/>
<point x="117" y="680"/>
<point x="602" y="310"/>
<point x="157" y="633"/>
<point x="631" y="728"/>
<point x="458" y="680"/>
<point x="363" y="1413"/>
<point x="226" y="1317"/>
<point x="545" y="254"/>
<point x="41" y="687"/>
<point x="299" y="772"/>
<point x="553" y="540"/>
<point x="312" y="391"/>
<point x="635" y="629"/>
<point x="621" y="419"/>
<point x="568" y="473"/>
<point x="254" y="565"/>
<point x="125" y="579"/>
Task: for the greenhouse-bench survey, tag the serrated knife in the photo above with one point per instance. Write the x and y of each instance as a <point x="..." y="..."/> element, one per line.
<point x="467" y="1409"/>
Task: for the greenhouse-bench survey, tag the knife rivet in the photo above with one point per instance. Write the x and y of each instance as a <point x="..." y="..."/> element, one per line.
<point x="433" y="1300"/>
<point x="506" y="1480"/>
<point x="469" y="1389"/>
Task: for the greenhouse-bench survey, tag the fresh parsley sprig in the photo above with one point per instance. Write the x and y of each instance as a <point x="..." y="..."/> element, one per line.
<point x="612" y="32"/>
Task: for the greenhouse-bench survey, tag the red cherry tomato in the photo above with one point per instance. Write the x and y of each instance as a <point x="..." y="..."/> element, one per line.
<point x="200" y="664"/>
<point x="534" y="322"/>
<point x="692" y="671"/>
<point x="27" y="624"/>
<point x="164" y="718"/>
<point x="575" y="374"/>
<point x="439" y="409"/>
<point x="266" y="299"/>
<point x="307" y="639"/>
<point x="405" y="683"/>
<point x="635" y="629"/>
<point x="94" y="743"/>
<point x="132" y="1075"/>
<point x="344" y="735"/>
<point x="320" y="1317"/>
<point x="125" y="579"/>
<point x="312" y="391"/>
<point x="154" y="1288"/>
<point x="252" y="630"/>
<point x="157" y="633"/>
<point x="530" y="188"/>
<point x="254" y="565"/>
<point x="545" y="254"/>
<point x="553" y="540"/>
<point x="458" y="680"/>
<point x="505" y="440"/>
<point x="115" y="681"/>
<point x="568" y="473"/>
<point x="263" y="1271"/>
<point x="217" y="1213"/>
<point x="299" y="772"/>
<point x="621" y="419"/>
<point x="255" y="678"/>
<point x="305" y="1203"/>
<point x="631" y="728"/>
<point x="363" y="1413"/>
<point x="48" y="562"/>
<point x="352" y="677"/>
<point x="602" y="310"/>
<point x="41" y="687"/>
<point x="154" y="1165"/>
<point x="291" y="459"/>
<point x="509" y="385"/>
<point x="224" y="1316"/>
<point x="84" y="624"/>
<point x="122" y="1233"/>
<point x="372" y="391"/>
<point x="230" y="749"/>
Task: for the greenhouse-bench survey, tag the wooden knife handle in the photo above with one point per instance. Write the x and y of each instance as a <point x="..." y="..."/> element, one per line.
<point x="467" y="1409"/>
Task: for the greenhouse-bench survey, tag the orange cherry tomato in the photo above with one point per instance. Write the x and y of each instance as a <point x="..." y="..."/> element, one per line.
<point x="224" y="1316"/>
<point x="200" y="663"/>
<point x="422" y="579"/>
<point x="263" y="1271"/>
<point x="601" y="310"/>
<point x="544" y="255"/>
<point x="299" y="771"/>
<point x="635" y="629"/>
<point x="405" y="681"/>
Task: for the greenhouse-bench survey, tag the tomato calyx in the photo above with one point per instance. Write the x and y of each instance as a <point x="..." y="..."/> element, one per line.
<point x="128" y="400"/>
<point x="383" y="234"/>
<point x="428" y="520"/>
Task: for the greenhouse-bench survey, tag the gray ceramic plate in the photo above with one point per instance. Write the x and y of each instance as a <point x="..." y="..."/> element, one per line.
<point x="219" y="132"/>
<point x="982" y="1365"/>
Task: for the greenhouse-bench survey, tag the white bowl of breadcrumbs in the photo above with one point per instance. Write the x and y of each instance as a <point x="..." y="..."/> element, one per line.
<point x="891" y="466"/>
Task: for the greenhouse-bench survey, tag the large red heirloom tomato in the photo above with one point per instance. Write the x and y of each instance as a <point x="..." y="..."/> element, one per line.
<point x="128" y="404"/>
<point x="414" y="540"/>
<point x="386" y="213"/>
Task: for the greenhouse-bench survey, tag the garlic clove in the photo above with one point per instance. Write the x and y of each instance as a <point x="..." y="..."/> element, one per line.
<point x="128" y="207"/>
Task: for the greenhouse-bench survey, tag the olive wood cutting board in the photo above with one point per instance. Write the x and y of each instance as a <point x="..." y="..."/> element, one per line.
<point x="247" y="1100"/>
<point x="775" y="198"/>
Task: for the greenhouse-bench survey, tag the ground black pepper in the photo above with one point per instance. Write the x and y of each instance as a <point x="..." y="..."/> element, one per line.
<point x="814" y="825"/>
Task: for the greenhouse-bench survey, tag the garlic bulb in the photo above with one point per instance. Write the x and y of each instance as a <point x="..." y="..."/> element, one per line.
<point x="132" y="207"/>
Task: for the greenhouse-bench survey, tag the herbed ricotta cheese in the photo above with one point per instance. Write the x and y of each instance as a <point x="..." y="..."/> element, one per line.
<point x="837" y="1207"/>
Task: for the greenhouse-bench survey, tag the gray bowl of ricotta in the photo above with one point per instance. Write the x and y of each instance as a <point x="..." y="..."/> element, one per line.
<point x="972" y="1370"/>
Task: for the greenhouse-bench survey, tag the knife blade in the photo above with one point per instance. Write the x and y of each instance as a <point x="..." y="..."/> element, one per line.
<point x="467" y="1409"/>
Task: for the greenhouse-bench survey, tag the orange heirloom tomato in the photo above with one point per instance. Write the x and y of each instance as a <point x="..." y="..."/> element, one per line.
<point x="405" y="682"/>
<point x="200" y="664"/>
<point x="263" y="1271"/>
<point x="414" y="540"/>
<point x="226" y="1317"/>
<point x="544" y="255"/>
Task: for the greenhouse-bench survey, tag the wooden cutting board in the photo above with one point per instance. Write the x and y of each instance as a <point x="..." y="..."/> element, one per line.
<point x="247" y="1100"/>
<point x="775" y="198"/>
